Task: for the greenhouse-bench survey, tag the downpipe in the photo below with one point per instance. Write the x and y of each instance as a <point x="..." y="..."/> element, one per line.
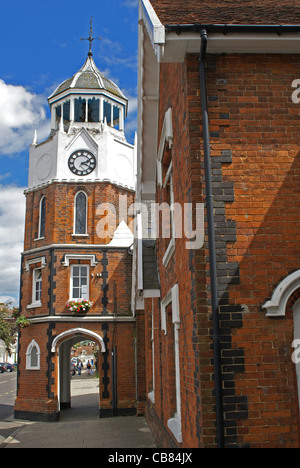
<point x="212" y="248"/>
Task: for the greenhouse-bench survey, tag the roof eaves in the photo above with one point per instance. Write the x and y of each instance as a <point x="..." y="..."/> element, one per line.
<point x="155" y="28"/>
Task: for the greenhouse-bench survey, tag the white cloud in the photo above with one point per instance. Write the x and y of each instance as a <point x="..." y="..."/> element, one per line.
<point x="12" y="217"/>
<point x="131" y="3"/>
<point x="21" y="112"/>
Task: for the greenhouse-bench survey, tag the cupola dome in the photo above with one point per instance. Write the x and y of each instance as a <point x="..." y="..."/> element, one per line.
<point x="88" y="97"/>
<point x="88" y="77"/>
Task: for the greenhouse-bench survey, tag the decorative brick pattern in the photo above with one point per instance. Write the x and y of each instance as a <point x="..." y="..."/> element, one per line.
<point x="254" y="129"/>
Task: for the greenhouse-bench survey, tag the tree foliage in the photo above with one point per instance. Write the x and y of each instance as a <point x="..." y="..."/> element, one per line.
<point x="8" y="325"/>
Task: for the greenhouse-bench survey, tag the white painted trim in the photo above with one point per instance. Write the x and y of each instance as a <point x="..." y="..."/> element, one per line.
<point x="33" y="344"/>
<point x="172" y="296"/>
<point x="177" y="46"/>
<point x="32" y="261"/>
<point x="77" y="331"/>
<point x="171" y="247"/>
<point x="71" y="246"/>
<point x="277" y="305"/>
<point x="86" y="94"/>
<point x="87" y="318"/>
<point x="87" y="286"/>
<point x="169" y="252"/>
<point x="151" y="396"/>
<point x="151" y="293"/>
<point x="81" y="180"/>
<point x="166" y="136"/>
<point x="154" y="27"/>
<point x="140" y="280"/>
<point x="90" y="257"/>
<point x="174" y="424"/>
<point x="34" y="305"/>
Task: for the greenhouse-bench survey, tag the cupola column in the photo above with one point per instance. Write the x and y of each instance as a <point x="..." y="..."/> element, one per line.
<point x="121" y="118"/>
<point x="71" y="109"/>
<point x="53" y="117"/>
<point x="101" y="104"/>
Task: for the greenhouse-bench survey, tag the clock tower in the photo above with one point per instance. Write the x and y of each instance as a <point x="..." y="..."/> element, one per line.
<point x="76" y="269"/>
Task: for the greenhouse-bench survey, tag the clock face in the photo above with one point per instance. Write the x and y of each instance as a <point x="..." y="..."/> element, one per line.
<point x="82" y="162"/>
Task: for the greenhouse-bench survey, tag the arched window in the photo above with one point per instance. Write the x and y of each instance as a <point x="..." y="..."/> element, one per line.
<point x="42" y="217"/>
<point x="80" y="221"/>
<point x="33" y="356"/>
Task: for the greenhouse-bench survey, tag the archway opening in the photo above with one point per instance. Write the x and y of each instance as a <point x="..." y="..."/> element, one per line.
<point x="79" y="387"/>
<point x="84" y="379"/>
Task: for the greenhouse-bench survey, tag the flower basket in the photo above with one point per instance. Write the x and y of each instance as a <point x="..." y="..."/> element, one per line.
<point x="23" y="322"/>
<point x="79" y="306"/>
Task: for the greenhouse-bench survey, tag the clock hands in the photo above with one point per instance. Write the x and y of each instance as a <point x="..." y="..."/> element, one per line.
<point x="82" y="162"/>
<point x="85" y="164"/>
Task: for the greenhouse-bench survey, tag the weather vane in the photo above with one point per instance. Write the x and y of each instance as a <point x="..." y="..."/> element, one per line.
<point x="90" y="38"/>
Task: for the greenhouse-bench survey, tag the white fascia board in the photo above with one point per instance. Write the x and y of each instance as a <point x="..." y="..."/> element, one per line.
<point x="83" y="93"/>
<point x="178" y="45"/>
<point x="148" y="86"/>
<point x="155" y="28"/>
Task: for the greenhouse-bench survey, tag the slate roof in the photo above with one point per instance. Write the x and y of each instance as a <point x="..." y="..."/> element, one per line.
<point x="89" y="77"/>
<point x="271" y="12"/>
<point x="150" y="271"/>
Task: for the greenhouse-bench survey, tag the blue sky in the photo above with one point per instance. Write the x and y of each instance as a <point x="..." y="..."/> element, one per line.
<point x="40" y="47"/>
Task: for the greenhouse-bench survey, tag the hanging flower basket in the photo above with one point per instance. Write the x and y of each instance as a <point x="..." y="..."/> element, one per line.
<point x="79" y="306"/>
<point x="23" y="321"/>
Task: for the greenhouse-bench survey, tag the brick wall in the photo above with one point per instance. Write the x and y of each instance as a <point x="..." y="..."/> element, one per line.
<point x="254" y="128"/>
<point x="256" y="123"/>
<point x="60" y="213"/>
<point x="109" y="289"/>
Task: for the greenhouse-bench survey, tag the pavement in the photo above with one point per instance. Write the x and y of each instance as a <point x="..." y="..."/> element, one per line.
<point x="78" y="426"/>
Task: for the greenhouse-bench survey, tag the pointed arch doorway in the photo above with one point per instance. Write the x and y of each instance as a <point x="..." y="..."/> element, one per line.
<point x="62" y="345"/>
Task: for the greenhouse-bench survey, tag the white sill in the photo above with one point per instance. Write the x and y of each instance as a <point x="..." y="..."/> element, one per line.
<point x="39" y="238"/>
<point x="80" y="235"/>
<point x="151" y="396"/>
<point x="169" y="252"/>
<point x="34" y="304"/>
<point x="174" y="424"/>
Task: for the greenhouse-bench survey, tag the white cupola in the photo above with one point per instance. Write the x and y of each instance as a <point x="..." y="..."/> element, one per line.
<point x="87" y="97"/>
<point x="87" y="141"/>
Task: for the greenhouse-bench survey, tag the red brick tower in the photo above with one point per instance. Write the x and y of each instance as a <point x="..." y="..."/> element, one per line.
<point x="77" y="247"/>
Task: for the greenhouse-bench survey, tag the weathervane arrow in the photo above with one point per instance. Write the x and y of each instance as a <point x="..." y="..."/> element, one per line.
<point x="90" y="38"/>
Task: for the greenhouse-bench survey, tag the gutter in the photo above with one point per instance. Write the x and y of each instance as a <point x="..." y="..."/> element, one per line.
<point x="212" y="248"/>
<point x="278" y="29"/>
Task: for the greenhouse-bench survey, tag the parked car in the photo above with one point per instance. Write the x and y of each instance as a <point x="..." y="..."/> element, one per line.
<point x="9" y="367"/>
<point x="2" y="368"/>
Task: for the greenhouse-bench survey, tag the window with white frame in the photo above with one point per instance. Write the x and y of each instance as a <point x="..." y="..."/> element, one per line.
<point x="79" y="288"/>
<point x="37" y="286"/>
<point x="80" y="214"/>
<point x="170" y="315"/>
<point x="33" y="354"/>
<point x="170" y="207"/>
<point x="37" y="278"/>
<point x="151" y="394"/>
